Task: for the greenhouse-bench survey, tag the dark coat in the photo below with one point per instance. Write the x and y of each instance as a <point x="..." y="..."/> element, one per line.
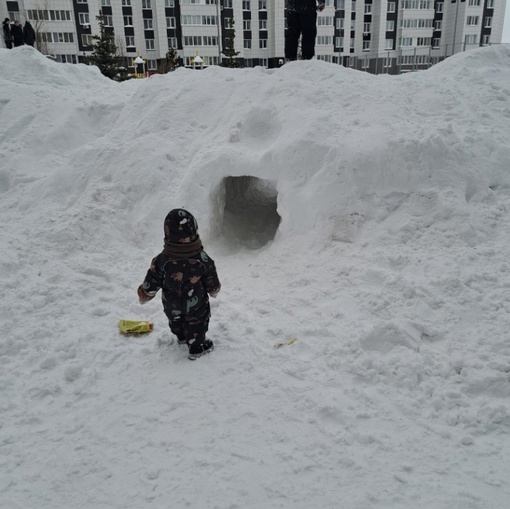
<point x="29" y="34"/>
<point x="186" y="282"/>
<point x="17" y="34"/>
<point x="6" y="30"/>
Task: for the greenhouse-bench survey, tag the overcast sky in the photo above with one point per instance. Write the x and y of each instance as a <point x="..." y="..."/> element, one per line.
<point x="506" y="27"/>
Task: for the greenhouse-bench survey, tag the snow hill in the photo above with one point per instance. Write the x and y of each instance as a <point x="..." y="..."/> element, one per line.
<point x="366" y="216"/>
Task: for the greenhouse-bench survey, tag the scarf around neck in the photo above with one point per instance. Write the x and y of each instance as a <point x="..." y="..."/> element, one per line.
<point x="183" y="250"/>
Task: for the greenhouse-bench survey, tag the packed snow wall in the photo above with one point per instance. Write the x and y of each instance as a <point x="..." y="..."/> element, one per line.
<point x="333" y="148"/>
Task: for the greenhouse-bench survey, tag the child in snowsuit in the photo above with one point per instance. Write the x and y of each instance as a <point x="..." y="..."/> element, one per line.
<point x="187" y="276"/>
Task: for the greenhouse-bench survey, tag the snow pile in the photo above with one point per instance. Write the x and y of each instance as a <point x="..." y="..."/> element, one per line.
<point x="366" y="216"/>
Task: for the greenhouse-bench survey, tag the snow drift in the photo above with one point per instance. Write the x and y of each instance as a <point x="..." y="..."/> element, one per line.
<point x="366" y="216"/>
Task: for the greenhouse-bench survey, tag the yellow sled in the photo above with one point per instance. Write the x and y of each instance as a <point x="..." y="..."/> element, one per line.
<point x="130" y="327"/>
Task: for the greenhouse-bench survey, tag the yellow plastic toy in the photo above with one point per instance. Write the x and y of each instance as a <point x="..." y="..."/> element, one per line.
<point x="130" y="327"/>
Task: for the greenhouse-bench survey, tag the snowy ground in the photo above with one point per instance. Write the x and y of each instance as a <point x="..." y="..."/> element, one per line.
<point x="390" y="266"/>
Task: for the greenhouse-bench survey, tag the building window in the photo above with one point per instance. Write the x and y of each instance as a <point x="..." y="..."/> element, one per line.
<point x="436" y="43"/>
<point x="423" y="41"/>
<point x="438" y="24"/>
<point x="169" y="3"/>
<point x="488" y="22"/>
<point x="474" y="2"/>
<point x="128" y="21"/>
<point x="130" y="41"/>
<point x="170" y="22"/>
<point x="406" y="41"/>
<point x="417" y="4"/>
<point x="262" y="5"/>
<point x="108" y="20"/>
<point x="199" y="20"/>
<point x="147" y="24"/>
<point x="439" y="7"/>
<point x="472" y="20"/>
<point x="69" y="59"/>
<point x="388" y="44"/>
<point x="325" y="21"/>
<point x="324" y="40"/>
<point x="84" y="18"/>
<point x="59" y="37"/>
<point x="172" y="42"/>
<point x="152" y="64"/>
<point x="366" y="45"/>
<point x="262" y="24"/>
<point x="366" y="28"/>
<point x="192" y="40"/>
<point x="391" y="7"/>
<point x="247" y="44"/>
<point x="340" y="5"/>
<point x="368" y="8"/>
<point x="149" y="44"/>
<point x="227" y="4"/>
<point x="146" y="4"/>
<point x="340" y="23"/>
<point x="86" y="40"/>
<point x="486" y="39"/>
<point x="416" y="23"/>
<point x="490" y="4"/>
<point x="246" y="24"/>
<point x="470" y="39"/>
<point x="246" y="5"/>
<point x="106" y="3"/>
<point x="263" y="43"/>
<point x="390" y="25"/>
<point x="126" y="3"/>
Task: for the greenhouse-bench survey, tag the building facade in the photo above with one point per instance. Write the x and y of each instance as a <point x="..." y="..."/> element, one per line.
<point x="379" y="36"/>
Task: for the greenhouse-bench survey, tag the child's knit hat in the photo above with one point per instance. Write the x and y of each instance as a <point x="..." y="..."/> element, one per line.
<point x="180" y="227"/>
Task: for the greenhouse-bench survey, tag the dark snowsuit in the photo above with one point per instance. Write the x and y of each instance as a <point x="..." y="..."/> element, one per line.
<point x="301" y="20"/>
<point x="17" y="34"/>
<point x="6" y="29"/>
<point x="29" y="34"/>
<point x="187" y="275"/>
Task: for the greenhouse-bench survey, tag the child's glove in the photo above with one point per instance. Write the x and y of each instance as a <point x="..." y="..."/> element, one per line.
<point x="214" y="293"/>
<point x="142" y="296"/>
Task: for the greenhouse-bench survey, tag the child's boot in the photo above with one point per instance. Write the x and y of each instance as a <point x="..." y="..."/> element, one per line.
<point x="197" y="350"/>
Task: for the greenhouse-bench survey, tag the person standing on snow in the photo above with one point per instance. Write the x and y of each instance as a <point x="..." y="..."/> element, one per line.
<point x="17" y="34"/>
<point x="6" y="28"/>
<point x="301" y="21"/>
<point x="187" y="276"/>
<point x="29" y="34"/>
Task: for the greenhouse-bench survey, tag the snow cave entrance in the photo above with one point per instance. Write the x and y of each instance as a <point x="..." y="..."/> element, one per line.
<point x="249" y="216"/>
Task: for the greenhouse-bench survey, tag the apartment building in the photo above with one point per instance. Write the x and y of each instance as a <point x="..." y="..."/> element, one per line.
<point x="374" y="35"/>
